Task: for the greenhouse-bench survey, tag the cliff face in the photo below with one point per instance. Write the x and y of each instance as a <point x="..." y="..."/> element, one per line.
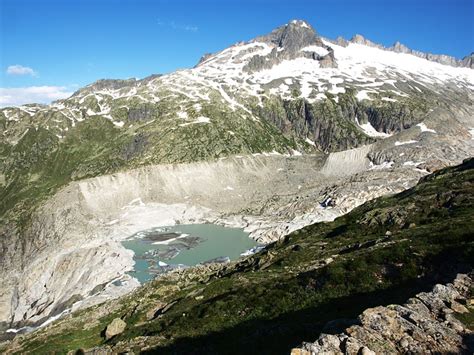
<point x="296" y="39"/>
<point x="335" y="126"/>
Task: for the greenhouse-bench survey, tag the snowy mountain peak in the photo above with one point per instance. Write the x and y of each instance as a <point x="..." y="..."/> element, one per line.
<point x="293" y="36"/>
<point x="300" y="23"/>
<point x="359" y="39"/>
<point x="400" y="47"/>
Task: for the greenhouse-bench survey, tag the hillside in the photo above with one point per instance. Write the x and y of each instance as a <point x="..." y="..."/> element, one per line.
<point x="382" y="252"/>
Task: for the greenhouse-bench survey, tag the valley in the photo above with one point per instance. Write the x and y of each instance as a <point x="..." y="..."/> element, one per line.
<point x="313" y="148"/>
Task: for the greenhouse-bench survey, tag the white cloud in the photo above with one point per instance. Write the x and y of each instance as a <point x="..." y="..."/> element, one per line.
<point x="32" y="94"/>
<point x="20" y="70"/>
<point x="178" y="26"/>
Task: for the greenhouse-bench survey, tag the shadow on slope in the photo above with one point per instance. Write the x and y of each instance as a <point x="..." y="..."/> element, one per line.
<point x="281" y="334"/>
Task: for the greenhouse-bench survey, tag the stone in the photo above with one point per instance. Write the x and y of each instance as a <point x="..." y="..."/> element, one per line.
<point x="117" y="326"/>
<point x="297" y="351"/>
<point x="458" y="308"/>
<point x="352" y="346"/>
<point x="293" y="36"/>
<point x="404" y="342"/>
<point x="150" y="314"/>
<point x="366" y="351"/>
<point x="328" y="261"/>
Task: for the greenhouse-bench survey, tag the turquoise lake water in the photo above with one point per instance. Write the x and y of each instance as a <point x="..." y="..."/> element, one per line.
<point x="158" y="250"/>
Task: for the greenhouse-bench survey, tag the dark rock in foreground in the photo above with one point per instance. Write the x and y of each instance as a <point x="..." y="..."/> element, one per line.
<point x="426" y="323"/>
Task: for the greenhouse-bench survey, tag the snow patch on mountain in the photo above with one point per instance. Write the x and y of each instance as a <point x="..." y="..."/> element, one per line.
<point x="316" y="49"/>
<point x="397" y="143"/>
<point x="371" y="131"/>
<point x="423" y="128"/>
<point x="363" y="95"/>
<point x="200" y="119"/>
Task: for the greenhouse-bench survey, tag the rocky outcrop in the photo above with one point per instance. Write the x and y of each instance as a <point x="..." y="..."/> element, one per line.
<point x="391" y="117"/>
<point x="439" y="58"/>
<point x="116" y="327"/>
<point x="136" y="145"/>
<point x="426" y="323"/>
<point x="401" y="48"/>
<point x="293" y="36"/>
<point x="359" y="39"/>
<point x="205" y="57"/>
<point x="468" y="61"/>
<point x="113" y="84"/>
<point x="141" y="113"/>
<point x="288" y="42"/>
<point x="329" y="125"/>
<point x="341" y="41"/>
<point x="332" y="126"/>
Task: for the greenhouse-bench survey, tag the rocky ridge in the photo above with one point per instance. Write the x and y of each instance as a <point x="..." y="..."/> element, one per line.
<point x="426" y="323"/>
<point x="398" y="47"/>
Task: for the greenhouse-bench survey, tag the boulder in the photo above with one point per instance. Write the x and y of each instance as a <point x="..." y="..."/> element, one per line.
<point x="117" y="326"/>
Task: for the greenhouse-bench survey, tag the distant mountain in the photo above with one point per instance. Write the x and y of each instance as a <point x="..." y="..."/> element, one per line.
<point x="252" y="82"/>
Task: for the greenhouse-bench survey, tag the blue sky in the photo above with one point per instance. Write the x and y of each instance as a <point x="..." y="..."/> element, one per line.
<point x="49" y="47"/>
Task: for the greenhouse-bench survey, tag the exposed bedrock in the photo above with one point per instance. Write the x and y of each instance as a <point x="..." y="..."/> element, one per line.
<point x="426" y="323"/>
<point x="289" y="40"/>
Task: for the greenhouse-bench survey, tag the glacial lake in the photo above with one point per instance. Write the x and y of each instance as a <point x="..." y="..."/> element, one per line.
<point x="159" y="250"/>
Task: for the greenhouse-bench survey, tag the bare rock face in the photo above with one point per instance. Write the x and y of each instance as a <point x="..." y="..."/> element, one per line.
<point x="293" y="36"/>
<point x="439" y="58"/>
<point x="359" y="39"/>
<point x="468" y="61"/>
<point x="205" y="57"/>
<point x="425" y="324"/>
<point x="117" y="326"/>
<point x="289" y="40"/>
<point x="341" y="41"/>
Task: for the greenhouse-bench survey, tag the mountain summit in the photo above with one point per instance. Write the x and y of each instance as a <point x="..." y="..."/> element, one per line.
<point x="293" y="36"/>
<point x="296" y="39"/>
